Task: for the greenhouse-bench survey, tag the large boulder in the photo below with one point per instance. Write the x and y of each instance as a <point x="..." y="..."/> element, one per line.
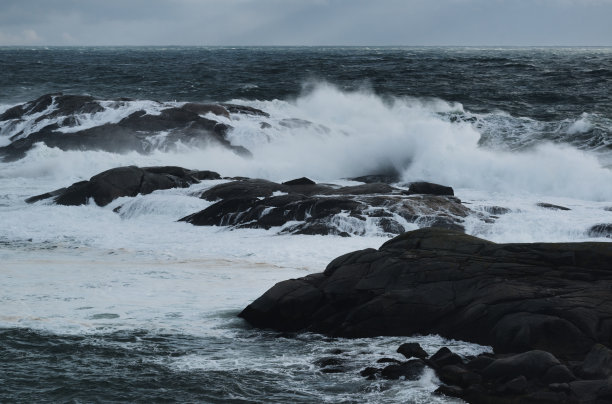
<point x="515" y="297"/>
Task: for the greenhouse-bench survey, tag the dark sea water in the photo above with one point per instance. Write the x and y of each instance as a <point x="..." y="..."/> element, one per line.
<point x="514" y="99"/>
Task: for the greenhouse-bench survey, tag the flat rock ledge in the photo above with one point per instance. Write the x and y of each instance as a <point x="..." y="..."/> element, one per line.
<point x="554" y="297"/>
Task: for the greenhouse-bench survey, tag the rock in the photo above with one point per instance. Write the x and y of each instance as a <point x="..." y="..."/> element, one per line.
<point x="330" y="365"/>
<point x="370" y="372"/>
<point x="304" y="207"/>
<point x="378" y="178"/>
<point x="531" y="364"/>
<point x="429" y="188"/>
<point x="123" y="181"/>
<point x="445" y="357"/>
<point x="243" y="109"/>
<point x="388" y="360"/>
<point x="497" y="210"/>
<point x="458" y="375"/>
<point x="553" y="297"/>
<point x="203" y="109"/>
<point x="551" y="206"/>
<point x="411" y="370"/>
<point x="300" y="181"/>
<point x="601" y="230"/>
<point x="450" y="391"/>
<point x="139" y="132"/>
<point x="412" y="350"/>
<point x="517" y="385"/>
<point x="598" y="363"/>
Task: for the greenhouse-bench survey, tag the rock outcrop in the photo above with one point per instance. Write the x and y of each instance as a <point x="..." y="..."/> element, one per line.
<point x="534" y="376"/>
<point x="51" y="117"/>
<point x="553" y="297"/>
<point x="304" y="207"/>
<point x="109" y="185"/>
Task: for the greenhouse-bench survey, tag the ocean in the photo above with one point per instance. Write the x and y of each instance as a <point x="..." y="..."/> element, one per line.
<point x="99" y="306"/>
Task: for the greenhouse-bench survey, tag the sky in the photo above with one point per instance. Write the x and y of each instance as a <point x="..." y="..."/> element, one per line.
<point x="306" y="22"/>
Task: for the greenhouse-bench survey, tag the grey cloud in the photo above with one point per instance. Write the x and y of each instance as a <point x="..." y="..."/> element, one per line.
<point x="306" y="22"/>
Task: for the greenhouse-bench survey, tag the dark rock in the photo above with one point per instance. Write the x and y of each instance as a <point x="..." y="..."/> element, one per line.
<point x="458" y="375"/>
<point x="429" y="188"/>
<point x="411" y="370"/>
<point x="300" y="181"/>
<point x="450" y="391"/>
<point x="517" y="385"/>
<point x="480" y="362"/>
<point x="331" y="363"/>
<point x="265" y="125"/>
<point x="370" y="372"/>
<point x="321" y="209"/>
<point x="243" y="109"/>
<point x="551" y="206"/>
<point x="380" y="178"/>
<point x="203" y="109"/>
<point x="109" y="185"/>
<point x="558" y="374"/>
<point x="445" y="357"/>
<point x="388" y="360"/>
<point x="137" y="132"/>
<point x="412" y="350"/>
<point x="531" y="364"/>
<point x="597" y="364"/>
<point x="497" y="210"/>
<point x="514" y="297"/>
<point x="205" y="175"/>
<point x="601" y="230"/>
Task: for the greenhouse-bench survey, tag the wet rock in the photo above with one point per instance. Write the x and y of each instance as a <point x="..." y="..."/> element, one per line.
<point x="551" y="206"/>
<point x="497" y="210"/>
<point x="300" y="181"/>
<point x="203" y="109"/>
<point x="139" y="132"/>
<point x="304" y="207"/>
<point x="388" y="360"/>
<point x="243" y="109"/>
<point x="411" y="370"/>
<point x="514" y="297"/>
<point x="601" y="230"/>
<point x="381" y="178"/>
<point x="444" y="357"/>
<point x="109" y="185"/>
<point x="412" y="350"/>
<point x="429" y="188"/>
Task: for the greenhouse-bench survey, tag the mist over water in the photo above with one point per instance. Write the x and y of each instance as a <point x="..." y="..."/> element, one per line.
<point x="156" y="300"/>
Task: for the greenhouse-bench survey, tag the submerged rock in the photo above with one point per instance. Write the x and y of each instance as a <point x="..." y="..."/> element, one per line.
<point x="546" y="205"/>
<point x="125" y="181"/>
<point x="601" y="230"/>
<point x="515" y="297"/>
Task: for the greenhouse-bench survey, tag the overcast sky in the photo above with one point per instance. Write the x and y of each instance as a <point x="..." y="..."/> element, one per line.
<point x="306" y="22"/>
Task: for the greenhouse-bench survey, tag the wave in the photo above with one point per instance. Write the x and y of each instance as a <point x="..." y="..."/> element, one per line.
<point x="328" y="134"/>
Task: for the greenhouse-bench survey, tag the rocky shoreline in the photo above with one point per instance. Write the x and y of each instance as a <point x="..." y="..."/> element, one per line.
<point x="545" y="308"/>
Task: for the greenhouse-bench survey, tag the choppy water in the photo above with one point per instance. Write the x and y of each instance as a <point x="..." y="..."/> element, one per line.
<point x="98" y="306"/>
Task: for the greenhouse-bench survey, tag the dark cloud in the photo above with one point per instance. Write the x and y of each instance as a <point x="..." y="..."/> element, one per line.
<point x="306" y="22"/>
